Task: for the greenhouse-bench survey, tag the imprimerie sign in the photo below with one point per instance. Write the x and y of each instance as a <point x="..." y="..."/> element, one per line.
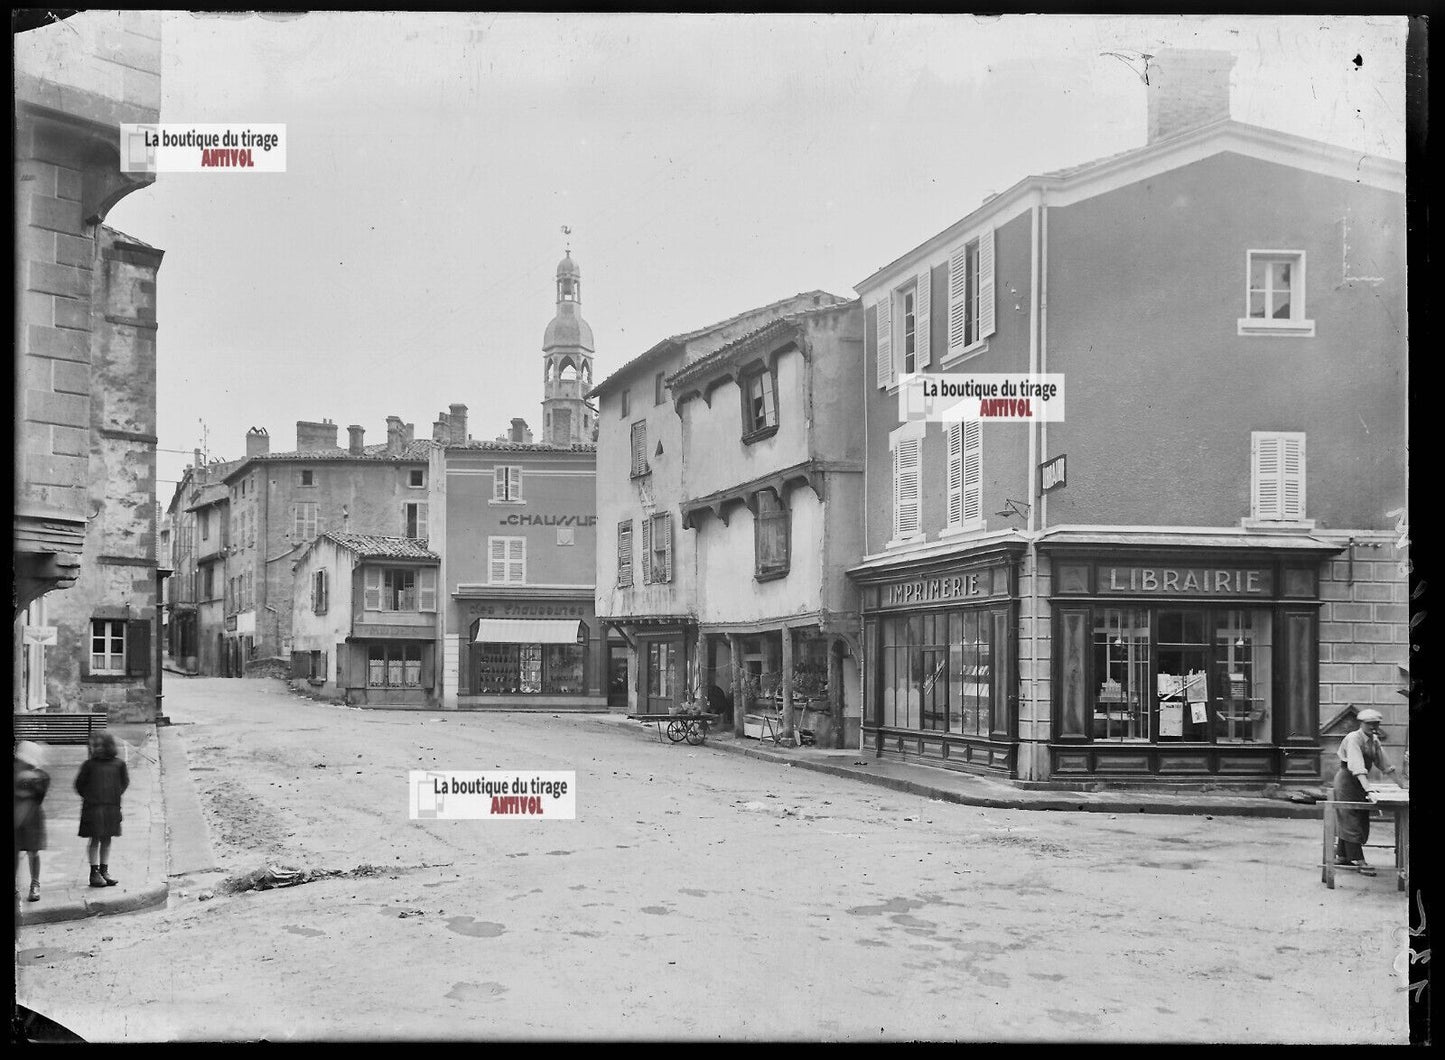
<point x="1155" y="580"/>
<point x="936" y="590"/>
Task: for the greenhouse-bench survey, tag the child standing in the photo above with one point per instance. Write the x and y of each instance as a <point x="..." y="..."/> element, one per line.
<point x="100" y="783"/>
<point x="31" y="784"/>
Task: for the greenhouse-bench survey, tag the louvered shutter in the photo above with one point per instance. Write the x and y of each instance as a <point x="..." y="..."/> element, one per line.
<point x="885" y="342"/>
<point x="514" y="483"/>
<point x="985" y="284"/>
<point x="428" y="589"/>
<point x="1292" y="478"/>
<point x="972" y="472"/>
<point x="421" y="516"/>
<point x="922" y="310"/>
<point x="665" y="525"/>
<point x="955" y="474"/>
<point x="957" y="297"/>
<point x="646" y="557"/>
<point x="1266" y="462"/>
<point x="906" y="511"/>
<point x="372" y="595"/>
<point x="499" y="483"/>
<point x="517" y="561"/>
<point x="624" y="553"/>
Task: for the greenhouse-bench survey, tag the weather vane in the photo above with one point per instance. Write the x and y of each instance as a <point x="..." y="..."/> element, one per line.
<point x="567" y="231"/>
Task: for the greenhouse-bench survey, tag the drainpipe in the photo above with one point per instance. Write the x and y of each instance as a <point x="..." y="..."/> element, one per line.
<point x="1035" y="262"/>
<point x="159" y="647"/>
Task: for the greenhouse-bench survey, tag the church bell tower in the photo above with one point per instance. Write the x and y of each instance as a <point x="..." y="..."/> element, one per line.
<point x="567" y="418"/>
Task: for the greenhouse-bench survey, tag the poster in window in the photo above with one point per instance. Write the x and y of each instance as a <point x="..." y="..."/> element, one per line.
<point x="1196" y="688"/>
<point x="1171" y="719"/>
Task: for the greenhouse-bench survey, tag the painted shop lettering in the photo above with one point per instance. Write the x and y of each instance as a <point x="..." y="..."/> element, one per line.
<point x="933" y="589"/>
<point x="547" y="520"/>
<point x="1185" y="580"/>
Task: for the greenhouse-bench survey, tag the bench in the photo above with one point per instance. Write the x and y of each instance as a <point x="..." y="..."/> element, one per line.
<point x="59" y="728"/>
<point x="680" y="727"/>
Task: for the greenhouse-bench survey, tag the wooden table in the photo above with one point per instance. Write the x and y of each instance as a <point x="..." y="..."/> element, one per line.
<point x="679" y="727"/>
<point x="1394" y="799"/>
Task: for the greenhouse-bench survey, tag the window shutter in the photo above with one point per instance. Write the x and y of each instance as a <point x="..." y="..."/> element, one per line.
<point x="955" y="474"/>
<point x="499" y="483"/>
<point x="666" y="527"/>
<point x="372" y="595"/>
<point x="428" y="665"/>
<point x="957" y="297"/>
<point x="514" y="483"/>
<point x="428" y="582"/>
<point x="138" y="647"/>
<point x="324" y="580"/>
<point x="647" y="549"/>
<point x="1292" y="478"/>
<point x="906" y="513"/>
<point x="517" y="561"/>
<point x="972" y="471"/>
<point x="421" y="517"/>
<point x="922" y="310"/>
<point x="624" y="553"/>
<point x="885" y="341"/>
<point x="1266" y="464"/>
<point x="985" y="284"/>
<point x="497" y="561"/>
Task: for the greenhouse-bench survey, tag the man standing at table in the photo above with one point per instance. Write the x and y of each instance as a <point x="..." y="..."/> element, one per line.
<point x="1360" y="751"/>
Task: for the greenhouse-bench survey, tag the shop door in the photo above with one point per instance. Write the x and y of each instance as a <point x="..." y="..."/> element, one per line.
<point x="1181" y="683"/>
<point x="617" y="676"/>
<point x="662" y="669"/>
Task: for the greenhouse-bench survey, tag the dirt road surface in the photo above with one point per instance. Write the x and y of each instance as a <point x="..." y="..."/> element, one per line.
<point x="700" y="895"/>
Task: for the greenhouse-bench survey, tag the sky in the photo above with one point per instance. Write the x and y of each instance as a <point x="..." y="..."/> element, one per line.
<point x="705" y="164"/>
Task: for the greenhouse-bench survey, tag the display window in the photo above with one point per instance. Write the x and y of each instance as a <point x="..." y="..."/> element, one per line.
<point x="393" y="666"/>
<point x="530" y="669"/>
<point x="937" y="671"/>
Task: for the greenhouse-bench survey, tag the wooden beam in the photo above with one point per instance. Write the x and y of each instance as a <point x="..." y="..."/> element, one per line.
<point x="787" y="690"/>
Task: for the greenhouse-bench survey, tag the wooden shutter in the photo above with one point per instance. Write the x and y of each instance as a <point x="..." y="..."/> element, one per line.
<point x="497" y="560"/>
<point x="665" y="526"/>
<point x="972" y="471"/>
<point x="885" y="341"/>
<point x="957" y="297"/>
<point x="1071" y="670"/>
<point x="137" y="647"/>
<point x="325" y="590"/>
<point x="517" y="561"/>
<point x="1292" y="477"/>
<point x="428" y="666"/>
<point x="428" y="590"/>
<point x="985" y="284"/>
<point x="499" y="483"/>
<point x="906" y="513"/>
<point x="955" y="474"/>
<point x="922" y="310"/>
<point x="646" y="549"/>
<point x="514" y="483"/>
<point x="1265" y="461"/>
<point x="624" y="553"/>
<point x="421" y="516"/>
<point x="372" y="594"/>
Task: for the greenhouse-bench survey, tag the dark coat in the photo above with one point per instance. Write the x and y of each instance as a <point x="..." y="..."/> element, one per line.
<point x="31" y="784"/>
<point x="100" y="784"/>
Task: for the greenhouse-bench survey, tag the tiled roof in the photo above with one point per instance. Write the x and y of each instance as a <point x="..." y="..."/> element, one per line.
<point x="414" y="451"/>
<point x="669" y="344"/>
<point x="525" y="447"/>
<point x="209" y="495"/>
<point x="777" y="324"/>
<point x="374" y="545"/>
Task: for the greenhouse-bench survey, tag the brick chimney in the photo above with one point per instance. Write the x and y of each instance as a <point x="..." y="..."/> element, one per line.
<point x="310" y="436"/>
<point x="258" y="443"/>
<point x="408" y="433"/>
<point x="519" y="431"/>
<point x="393" y="435"/>
<point x="357" y="432"/>
<point x="1188" y="87"/>
<point x="441" y="430"/>
<point x="459" y="423"/>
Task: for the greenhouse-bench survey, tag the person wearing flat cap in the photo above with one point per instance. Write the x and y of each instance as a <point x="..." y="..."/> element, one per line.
<point x="1360" y="751"/>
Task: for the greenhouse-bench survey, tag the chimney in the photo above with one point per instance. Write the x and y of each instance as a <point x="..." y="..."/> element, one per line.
<point x="258" y="443"/>
<point x="519" y="431"/>
<point x="198" y="454"/>
<point x="441" y="430"/>
<point x="408" y="434"/>
<point x="459" y="423"/>
<point x="311" y="436"/>
<point x="1188" y="87"/>
<point x="393" y="436"/>
<point x="357" y="432"/>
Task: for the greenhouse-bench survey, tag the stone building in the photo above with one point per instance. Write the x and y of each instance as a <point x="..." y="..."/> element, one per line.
<point x="84" y="513"/>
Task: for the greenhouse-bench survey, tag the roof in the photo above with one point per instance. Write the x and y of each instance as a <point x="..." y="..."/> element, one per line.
<point x="373" y="546"/>
<point x="126" y="237"/>
<point x="671" y="344"/>
<point x="523" y="447"/>
<point x="418" y="451"/>
<point x="777" y="324"/>
<point x="567" y="329"/>
<point x="210" y="494"/>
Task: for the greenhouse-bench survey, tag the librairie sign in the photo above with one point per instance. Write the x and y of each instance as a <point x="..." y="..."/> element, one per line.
<point x="1184" y="581"/>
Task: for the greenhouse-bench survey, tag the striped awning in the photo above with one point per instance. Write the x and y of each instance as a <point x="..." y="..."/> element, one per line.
<point x="530" y="631"/>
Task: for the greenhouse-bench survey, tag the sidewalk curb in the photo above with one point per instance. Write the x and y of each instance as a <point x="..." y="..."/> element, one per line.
<point x="1074" y="802"/>
<point x="147" y="897"/>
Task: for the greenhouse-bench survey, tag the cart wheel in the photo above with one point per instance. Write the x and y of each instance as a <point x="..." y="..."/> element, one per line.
<point x="696" y="734"/>
<point x="676" y="731"/>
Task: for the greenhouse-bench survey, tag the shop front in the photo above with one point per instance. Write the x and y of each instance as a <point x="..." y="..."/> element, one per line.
<point x="535" y="653"/>
<point x="386" y="664"/>
<point x="1181" y="666"/>
<point x="941" y="667"/>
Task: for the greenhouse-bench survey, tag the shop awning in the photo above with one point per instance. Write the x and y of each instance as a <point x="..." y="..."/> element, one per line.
<point x="530" y="631"/>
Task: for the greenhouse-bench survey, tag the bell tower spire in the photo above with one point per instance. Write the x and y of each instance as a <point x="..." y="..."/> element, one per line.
<point x="567" y="417"/>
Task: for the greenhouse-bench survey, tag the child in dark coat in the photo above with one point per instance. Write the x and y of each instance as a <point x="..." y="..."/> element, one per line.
<point x="31" y="784"/>
<point x="100" y="783"/>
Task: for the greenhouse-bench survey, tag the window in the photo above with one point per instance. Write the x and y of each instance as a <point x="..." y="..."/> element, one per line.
<point x="760" y="405"/>
<point x="657" y="548"/>
<point x="626" y="403"/>
<point x="399" y="588"/>
<point x="107" y="646"/>
<point x="662" y="662"/>
<point x="507" y="484"/>
<point x="203" y="519"/>
<point x="770" y="536"/>
<point x="304" y="520"/>
<point x="965" y="475"/>
<point x="306" y="478"/>
<point x="624" y="553"/>
<point x="938" y="671"/>
<point x="208" y="582"/>
<point x="910" y="334"/>
<point x="907" y="509"/>
<point x="507" y="560"/>
<point x="659" y="390"/>
<point x="416" y="478"/>
<point x="414" y="520"/>
<point x="393" y="665"/>
<point x="319" y="596"/>
<point x="1277" y="476"/>
<point x="639" y="449"/>
<point x="971" y="293"/>
<point x="549" y="669"/>
<point x="1274" y="299"/>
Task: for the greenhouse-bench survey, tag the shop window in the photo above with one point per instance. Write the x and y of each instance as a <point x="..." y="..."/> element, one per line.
<point x="392" y="666"/>
<point x="107" y="647"/>
<point x="507" y="560"/>
<point x="938" y="672"/>
<point x="760" y="406"/>
<point x="507" y="484"/>
<point x="770" y="536"/>
<point x="639" y="449"/>
<point x="1241" y="678"/>
<point x="1277" y="476"/>
<point x="531" y="669"/>
<point x="662" y="661"/>
<point x="1275" y="294"/>
<point x="624" y="553"/>
<point x="1123" y="700"/>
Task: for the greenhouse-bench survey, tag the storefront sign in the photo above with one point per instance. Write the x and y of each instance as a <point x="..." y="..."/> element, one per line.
<point x="42" y="634"/>
<point x="386" y="631"/>
<point x="516" y="519"/>
<point x="513" y="609"/>
<point x="933" y="590"/>
<point x="1053" y="474"/>
<point x="1185" y="581"/>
